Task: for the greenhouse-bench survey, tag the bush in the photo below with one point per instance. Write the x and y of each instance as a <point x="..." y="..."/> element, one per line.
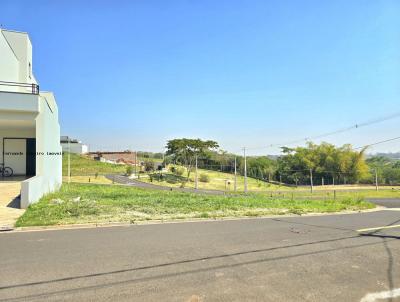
<point x="129" y="170"/>
<point x="179" y="171"/>
<point x="148" y="166"/>
<point x="204" y="178"/>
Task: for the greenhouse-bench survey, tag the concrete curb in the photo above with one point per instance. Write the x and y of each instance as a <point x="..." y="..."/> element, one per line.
<point x="189" y="220"/>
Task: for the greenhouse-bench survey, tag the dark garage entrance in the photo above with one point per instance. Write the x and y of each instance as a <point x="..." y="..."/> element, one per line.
<point x="31" y="156"/>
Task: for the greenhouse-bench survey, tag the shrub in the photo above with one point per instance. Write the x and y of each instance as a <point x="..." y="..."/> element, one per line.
<point x="148" y="166"/>
<point x="204" y="178"/>
<point x="179" y="171"/>
<point x="129" y="170"/>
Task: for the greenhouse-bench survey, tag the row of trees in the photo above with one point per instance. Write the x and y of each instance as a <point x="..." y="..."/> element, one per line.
<point x="388" y="169"/>
<point x="325" y="162"/>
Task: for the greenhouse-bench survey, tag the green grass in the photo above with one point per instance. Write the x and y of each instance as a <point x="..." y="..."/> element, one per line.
<point x="82" y="165"/>
<point x="217" y="181"/>
<point x="340" y="193"/>
<point x="90" y="203"/>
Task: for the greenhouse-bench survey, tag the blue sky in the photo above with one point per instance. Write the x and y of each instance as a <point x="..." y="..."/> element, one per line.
<point x="133" y="74"/>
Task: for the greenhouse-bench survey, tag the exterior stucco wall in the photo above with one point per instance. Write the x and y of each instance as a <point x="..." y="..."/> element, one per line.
<point x="11" y="103"/>
<point x="22" y="48"/>
<point x="49" y="154"/>
<point x="9" y="63"/>
<point x="32" y="190"/>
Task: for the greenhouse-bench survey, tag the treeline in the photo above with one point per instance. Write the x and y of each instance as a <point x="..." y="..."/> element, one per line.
<point x="326" y="163"/>
<point x="388" y="169"/>
<point x="145" y="154"/>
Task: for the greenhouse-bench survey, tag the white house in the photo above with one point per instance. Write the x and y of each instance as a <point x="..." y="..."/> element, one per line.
<point x="73" y="145"/>
<point x="29" y="128"/>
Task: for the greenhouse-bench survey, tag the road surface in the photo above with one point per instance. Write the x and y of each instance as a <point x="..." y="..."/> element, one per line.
<point x="315" y="258"/>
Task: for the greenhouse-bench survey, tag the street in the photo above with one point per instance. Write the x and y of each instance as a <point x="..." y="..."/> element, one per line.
<point x="314" y="258"/>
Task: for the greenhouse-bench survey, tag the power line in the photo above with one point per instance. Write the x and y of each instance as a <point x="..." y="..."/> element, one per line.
<point x="355" y="126"/>
<point x="377" y="143"/>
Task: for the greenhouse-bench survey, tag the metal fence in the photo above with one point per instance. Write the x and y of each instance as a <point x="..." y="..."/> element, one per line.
<point x="30" y="88"/>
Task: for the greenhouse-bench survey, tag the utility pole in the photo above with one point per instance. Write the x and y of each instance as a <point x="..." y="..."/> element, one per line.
<point x="196" y="177"/>
<point x="245" y="170"/>
<point x="376" y="180"/>
<point x="235" y="186"/>
<point x="323" y="181"/>
<point x="135" y="163"/>
<point x="69" y="159"/>
<point x="311" y="181"/>
<point x="333" y="180"/>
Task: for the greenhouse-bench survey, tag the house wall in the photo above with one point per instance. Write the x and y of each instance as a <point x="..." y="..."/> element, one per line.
<point x="21" y="46"/>
<point x="49" y="153"/>
<point x="9" y="63"/>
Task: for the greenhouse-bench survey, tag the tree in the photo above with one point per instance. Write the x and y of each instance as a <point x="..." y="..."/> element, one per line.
<point x="148" y="165"/>
<point x="326" y="161"/>
<point x="185" y="150"/>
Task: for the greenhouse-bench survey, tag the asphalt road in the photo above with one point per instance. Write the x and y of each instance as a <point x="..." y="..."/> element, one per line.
<point x="386" y="202"/>
<point x="319" y="258"/>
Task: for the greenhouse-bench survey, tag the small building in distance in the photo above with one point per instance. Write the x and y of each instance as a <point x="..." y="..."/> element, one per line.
<point x="73" y="145"/>
<point x="124" y="157"/>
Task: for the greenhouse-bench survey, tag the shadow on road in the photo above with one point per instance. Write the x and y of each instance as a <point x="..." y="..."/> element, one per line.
<point x="389" y="254"/>
<point x="193" y="271"/>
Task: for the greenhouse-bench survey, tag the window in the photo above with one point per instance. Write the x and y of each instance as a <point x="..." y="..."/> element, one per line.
<point x="30" y="70"/>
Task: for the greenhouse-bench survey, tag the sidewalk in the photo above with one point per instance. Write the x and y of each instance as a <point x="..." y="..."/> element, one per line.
<point x="9" y="203"/>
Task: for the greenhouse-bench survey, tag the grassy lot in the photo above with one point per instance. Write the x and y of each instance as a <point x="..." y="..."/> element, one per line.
<point x="332" y="194"/>
<point x="99" y="179"/>
<point x="91" y="203"/>
<point x="217" y="181"/>
<point x="85" y="166"/>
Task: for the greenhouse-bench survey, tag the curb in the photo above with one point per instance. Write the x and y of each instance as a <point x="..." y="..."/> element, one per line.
<point x="157" y="222"/>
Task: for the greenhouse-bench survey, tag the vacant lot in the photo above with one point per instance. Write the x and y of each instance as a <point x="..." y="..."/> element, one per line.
<point x="209" y="179"/>
<point x="90" y="203"/>
<point x="85" y="166"/>
<point x="86" y="170"/>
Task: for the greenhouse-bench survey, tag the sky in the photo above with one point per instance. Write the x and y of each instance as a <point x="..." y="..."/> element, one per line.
<point x="134" y="74"/>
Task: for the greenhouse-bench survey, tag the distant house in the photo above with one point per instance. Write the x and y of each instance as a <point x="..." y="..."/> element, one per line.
<point x="73" y="145"/>
<point x="29" y="127"/>
<point x="125" y="157"/>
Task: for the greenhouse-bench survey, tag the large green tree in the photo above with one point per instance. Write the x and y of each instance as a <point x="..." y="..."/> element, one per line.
<point x="325" y="161"/>
<point x="185" y="150"/>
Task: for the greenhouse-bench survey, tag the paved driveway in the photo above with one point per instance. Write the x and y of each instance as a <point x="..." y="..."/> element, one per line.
<point x="9" y="203"/>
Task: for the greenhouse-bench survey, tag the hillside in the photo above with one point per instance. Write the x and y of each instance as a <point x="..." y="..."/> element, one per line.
<point x="213" y="180"/>
<point x="82" y="165"/>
